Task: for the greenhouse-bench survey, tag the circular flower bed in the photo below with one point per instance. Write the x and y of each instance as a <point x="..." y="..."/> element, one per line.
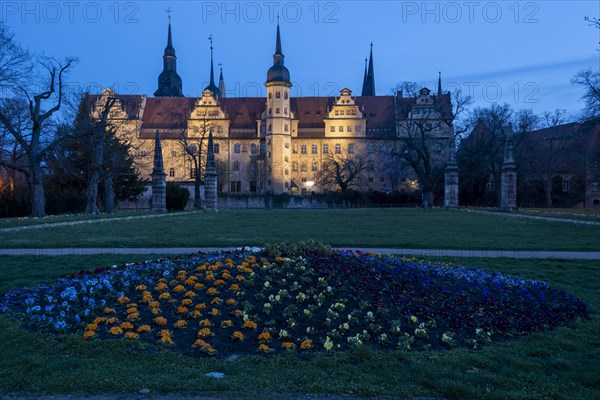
<point x="327" y="301"/>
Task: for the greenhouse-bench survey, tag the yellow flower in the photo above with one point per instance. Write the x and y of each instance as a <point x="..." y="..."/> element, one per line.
<point x="226" y="324"/>
<point x="91" y="327"/>
<point x="230" y="301"/>
<point x="160" y="321"/>
<point x="146" y="297"/>
<point x="162" y="286"/>
<point x="214" y="312"/>
<point x="88" y="334"/>
<point x="180" y="324"/>
<point x="237" y="335"/>
<point x="164" y="296"/>
<point x="204" y="323"/>
<point x="190" y="294"/>
<point x="133" y="316"/>
<point x="178" y="288"/>
<point x="199" y="343"/>
<point x="144" y="328"/>
<point x="131" y="310"/>
<point x="154" y="304"/>
<point x="278" y="259"/>
<point x="226" y="275"/>
<point x="200" y="306"/>
<point x="204" y="332"/>
<point x="112" y="320"/>
<point x="123" y="299"/>
<point x="239" y="278"/>
<point x="186" y="302"/>
<point x="140" y="288"/>
<point x="305" y="345"/>
<point x="216" y="300"/>
<point x="109" y="310"/>
<point x="126" y="325"/>
<point x="99" y="320"/>
<point x="211" y="291"/>
<point x="250" y="325"/>
<point x="132" y="335"/>
<point x="155" y="311"/>
<point x="115" y="330"/>
<point x="198" y="286"/>
<point x="195" y="314"/>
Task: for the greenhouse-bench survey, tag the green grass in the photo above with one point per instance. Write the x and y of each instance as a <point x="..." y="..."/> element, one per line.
<point x="52" y="219"/>
<point x="393" y="228"/>
<point x="561" y="364"/>
<point x="565" y="213"/>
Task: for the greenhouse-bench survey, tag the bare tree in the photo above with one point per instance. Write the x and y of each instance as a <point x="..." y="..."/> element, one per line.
<point x="257" y="172"/>
<point x="590" y="80"/>
<point x="342" y="170"/>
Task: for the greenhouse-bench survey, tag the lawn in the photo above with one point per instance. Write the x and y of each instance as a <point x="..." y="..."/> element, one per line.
<point x="392" y="228"/>
<point x="559" y="364"/>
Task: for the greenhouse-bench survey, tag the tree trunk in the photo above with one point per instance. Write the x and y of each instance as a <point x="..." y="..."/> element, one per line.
<point x="427" y="197"/>
<point x="548" y="193"/>
<point x="197" y="199"/>
<point x="94" y="180"/>
<point x="38" y="199"/>
<point x="109" y="194"/>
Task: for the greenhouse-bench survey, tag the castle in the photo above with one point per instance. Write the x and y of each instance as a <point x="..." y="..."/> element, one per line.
<point x="280" y="144"/>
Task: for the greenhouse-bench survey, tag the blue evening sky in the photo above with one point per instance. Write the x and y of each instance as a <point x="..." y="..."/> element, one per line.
<point x="519" y="52"/>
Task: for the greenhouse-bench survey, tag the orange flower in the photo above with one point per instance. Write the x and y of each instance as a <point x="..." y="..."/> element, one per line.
<point x="216" y="300"/>
<point x="204" y="332"/>
<point x="201" y="268"/>
<point x="99" y="320"/>
<point x="154" y="304"/>
<point x="237" y="335"/>
<point x="133" y="316"/>
<point x="278" y="259"/>
<point x="230" y="301"/>
<point x="166" y="340"/>
<point x="132" y="335"/>
<point x="91" y="327"/>
<point x="263" y="347"/>
<point x="238" y="313"/>
<point x="288" y="345"/>
<point x="250" y="325"/>
<point x="190" y="294"/>
<point x="146" y="297"/>
<point x="160" y="321"/>
<point x="209" y="277"/>
<point x="219" y="282"/>
<point x="226" y="275"/>
<point x="115" y="330"/>
<point x="140" y="288"/>
<point x="198" y="286"/>
<point x="155" y="311"/>
<point x="109" y="310"/>
<point x="162" y="286"/>
<point x="164" y="296"/>
<point x="212" y="291"/>
<point x="178" y="288"/>
<point x="235" y="287"/>
<point x="226" y="324"/>
<point x="195" y="314"/>
<point x="88" y="334"/>
<point x="112" y="320"/>
<point x="132" y="305"/>
<point x="180" y="324"/>
<point x="182" y="310"/>
<point x="248" y="270"/>
<point x="200" y="306"/>
<point x="126" y="325"/>
<point x="204" y="323"/>
<point x="144" y="328"/>
<point x="199" y="343"/>
<point x="186" y="302"/>
<point x="123" y="299"/>
<point x="214" y="312"/>
<point x="239" y="278"/>
<point x="264" y="337"/>
<point x="307" y="344"/>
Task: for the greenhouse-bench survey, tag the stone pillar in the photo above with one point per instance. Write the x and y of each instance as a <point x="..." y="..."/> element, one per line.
<point x="210" y="178"/>
<point x="508" y="180"/>
<point x="159" y="184"/>
<point x="451" y="179"/>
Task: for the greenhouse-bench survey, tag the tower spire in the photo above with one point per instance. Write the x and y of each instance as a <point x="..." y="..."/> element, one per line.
<point x="211" y="86"/>
<point x="169" y="82"/>
<point x="369" y="82"/>
<point x="221" y="81"/>
<point x="278" y="72"/>
<point x="364" y="85"/>
<point x="439" y="83"/>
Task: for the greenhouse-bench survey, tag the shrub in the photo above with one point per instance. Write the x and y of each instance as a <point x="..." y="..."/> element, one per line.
<point x="177" y="196"/>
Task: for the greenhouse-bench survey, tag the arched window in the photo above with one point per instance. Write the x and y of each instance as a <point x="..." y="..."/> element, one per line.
<point x="236" y="148"/>
<point x="303" y="167"/>
<point x="338" y="148"/>
<point x="236" y="166"/>
<point x="216" y="148"/>
<point x="172" y="172"/>
<point x="253" y="148"/>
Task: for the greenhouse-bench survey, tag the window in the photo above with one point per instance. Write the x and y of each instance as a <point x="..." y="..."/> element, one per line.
<point x="263" y="148"/>
<point x="349" y="128"/>
<point x="236" y="186"/>
<point x="216" y="148"/>
<point x="303" y="149"/>
<point x="295" y="149"/>
<point x="253" y="148"/>
<point x="351" y="148"/>
<point x="143" y="153"/>
<point x="338" y="148"/>
<point x="303" y="167"/>
<point x="303" y="180"/>
<point x="490" y="185"/>
<point x="370" y="179"/>
<point x="270" y="95"/>
<point x="315" y="166"/>
<point x="437" y="147"/>
<point x="277" y="95"/>
<point x="285" y="111"/>
<point x="382" y="147"/>
<point x="270" y="127"/>
<point x="172" y="172"/>
<point x="337" y="112"/>
<point x="219" y="129"/>
<point x="332" y="128"/>
<point x="295" y="166"/>
<point x="314" y="149"/>
<point x="286" y="159"/>
<point x="341" y="129"/>
<point x="244" y="148"/>
<point x="236" y="148"/>
<point x="277" y="110"/>
<point x="174" y="153"/>
<point x="381" y="179"/>
<point x="325" y="148"/>
<point x="285" y="95"/>
<point x="192" y="173"/>
<point x="286" y="128"/>
<point x="566" y="185"/>
<point x="236" y="166"/>
<point x="371" y="148"/>
<point x="595" y="186"/>
<point x="287" y="145"/>
<point x="357" y="128"/>
<point x="270" y="111"/>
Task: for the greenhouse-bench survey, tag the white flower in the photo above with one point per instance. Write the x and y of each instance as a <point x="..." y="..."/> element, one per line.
<point x="328" y="345"/>
<point x="267" y="284"/>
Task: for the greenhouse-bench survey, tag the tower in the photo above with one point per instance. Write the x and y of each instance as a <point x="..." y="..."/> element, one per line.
<point x="278" y="121"/>
<point x="221" y="82"/>
<point x="369" y="80"/>
<point x="211" y="86"/>
<point x="159" y="185"/>
<point x="169" y="82"/>
<point x="439" y="83"/>
<point x="508" y="180"/>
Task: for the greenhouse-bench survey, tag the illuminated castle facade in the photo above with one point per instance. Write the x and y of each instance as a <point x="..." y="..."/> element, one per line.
<point x="279" y="144"/>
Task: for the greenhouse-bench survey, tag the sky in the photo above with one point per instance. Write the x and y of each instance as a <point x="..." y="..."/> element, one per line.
<point x="523" y="53"/>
